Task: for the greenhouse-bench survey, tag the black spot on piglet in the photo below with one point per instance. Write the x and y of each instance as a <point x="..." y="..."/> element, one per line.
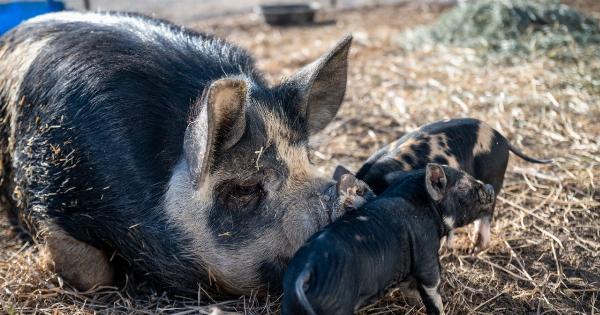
<point x="440" y="160"/>
<point x="408" y="159"/>
<point x="421" y="149"/>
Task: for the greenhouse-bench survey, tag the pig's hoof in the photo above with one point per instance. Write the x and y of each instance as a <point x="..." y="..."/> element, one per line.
<point x="479" y="244"/>
<point x="477" y="247"/>
<point x="81" y="265"/>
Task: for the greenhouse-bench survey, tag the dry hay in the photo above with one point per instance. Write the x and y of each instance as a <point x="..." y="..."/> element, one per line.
<point x="511" y="27"/>
<point x="544" y="254"/>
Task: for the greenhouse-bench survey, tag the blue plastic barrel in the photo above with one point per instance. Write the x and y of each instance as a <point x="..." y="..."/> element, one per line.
<point x="14" y="12"/>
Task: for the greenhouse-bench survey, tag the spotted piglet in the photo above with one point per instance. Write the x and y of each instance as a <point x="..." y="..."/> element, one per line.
<point x="467" y="144"/>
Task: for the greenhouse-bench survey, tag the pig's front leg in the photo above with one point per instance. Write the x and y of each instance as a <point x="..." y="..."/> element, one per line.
<point x="432" y="299"/>
<point x="481" y="233"/>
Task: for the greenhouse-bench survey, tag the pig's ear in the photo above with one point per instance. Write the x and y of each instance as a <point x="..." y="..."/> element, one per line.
<point x="435" y="181"/>
<point x="352" y="192"/>
<point x="218" y="120"/>
<point x="339" y="171"/>
<point x="323" y="85"/>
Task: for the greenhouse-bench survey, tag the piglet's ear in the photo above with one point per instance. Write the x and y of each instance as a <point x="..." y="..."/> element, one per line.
<point x="339" y="171"/>
<point x="323" y="85"/>
<point x="435" y="181"/>
<point x="217" y="123"/>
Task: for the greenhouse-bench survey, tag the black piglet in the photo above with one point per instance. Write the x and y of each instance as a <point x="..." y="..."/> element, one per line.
<point x="391" y="237"/>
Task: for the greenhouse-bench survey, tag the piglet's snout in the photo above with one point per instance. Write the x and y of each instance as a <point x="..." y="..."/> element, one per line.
<point x="486" y="195"/>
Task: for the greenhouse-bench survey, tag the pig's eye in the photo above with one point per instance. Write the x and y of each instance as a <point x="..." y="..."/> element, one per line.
<point x="248" y="186"/>
<point x="245" y="190"/>
<point x="244" y="195"/>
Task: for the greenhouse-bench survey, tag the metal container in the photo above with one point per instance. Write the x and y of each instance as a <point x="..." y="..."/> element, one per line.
<point x="289" y="14"/>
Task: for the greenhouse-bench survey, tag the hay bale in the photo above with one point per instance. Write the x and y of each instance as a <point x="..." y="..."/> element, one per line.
<point x="511" y="26"/>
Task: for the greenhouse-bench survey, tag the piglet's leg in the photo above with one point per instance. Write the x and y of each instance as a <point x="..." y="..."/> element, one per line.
<point x="432" y="299"/>
<point x="481" y="233"/>
<point x="428" y="281"/>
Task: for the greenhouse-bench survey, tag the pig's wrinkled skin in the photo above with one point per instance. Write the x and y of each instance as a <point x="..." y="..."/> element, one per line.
<point x="130" y="142"/>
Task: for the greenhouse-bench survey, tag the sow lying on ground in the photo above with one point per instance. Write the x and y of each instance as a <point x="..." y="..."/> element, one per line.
<point x="128" y="137"/>
<point x="390" y="238"/>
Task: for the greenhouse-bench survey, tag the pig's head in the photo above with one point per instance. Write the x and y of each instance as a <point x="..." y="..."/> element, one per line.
<point x="245" y="192"/>
<point x="460" y="197"/>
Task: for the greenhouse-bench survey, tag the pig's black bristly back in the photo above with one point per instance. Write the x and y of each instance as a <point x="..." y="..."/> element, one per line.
<point x="373" y="172"/>
<point x="409" y="186"/>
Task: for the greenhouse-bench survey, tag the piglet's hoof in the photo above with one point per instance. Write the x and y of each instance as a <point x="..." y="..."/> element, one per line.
<point x="478" y="246"/>
<point x="481" y="235"/>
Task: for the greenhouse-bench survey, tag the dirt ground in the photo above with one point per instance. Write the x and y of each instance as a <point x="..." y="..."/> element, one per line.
<point x="544" y="256"/>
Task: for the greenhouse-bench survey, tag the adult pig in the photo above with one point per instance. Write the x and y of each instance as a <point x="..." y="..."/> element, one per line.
<point x="131" y="142"/>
